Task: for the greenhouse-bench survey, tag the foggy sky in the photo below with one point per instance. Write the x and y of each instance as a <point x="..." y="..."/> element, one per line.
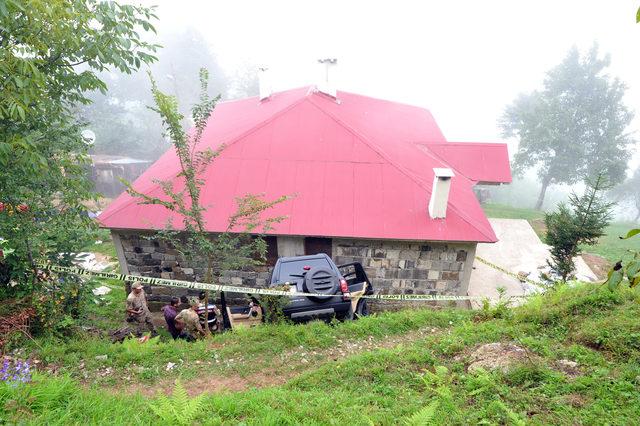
<point x="462" y="60"/>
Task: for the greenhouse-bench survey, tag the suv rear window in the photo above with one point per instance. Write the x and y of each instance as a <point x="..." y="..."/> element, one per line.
<point x="291" y="271"/>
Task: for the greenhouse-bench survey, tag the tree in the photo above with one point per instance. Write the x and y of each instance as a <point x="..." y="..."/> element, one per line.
<point x="580" y="224"/>
<point x="575" y="127"/>
<point x="50" y="55"/>
<point x="241" y="244"/>
<point x="121" y="118"/>
<point x="629" y="192"/>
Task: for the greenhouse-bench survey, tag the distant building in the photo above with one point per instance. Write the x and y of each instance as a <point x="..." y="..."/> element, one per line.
<point x="107" y="169"/>
<point x="374" y="181"/>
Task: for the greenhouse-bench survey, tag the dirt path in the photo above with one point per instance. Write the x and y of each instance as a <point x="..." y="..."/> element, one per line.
<point x="282" y="367"/>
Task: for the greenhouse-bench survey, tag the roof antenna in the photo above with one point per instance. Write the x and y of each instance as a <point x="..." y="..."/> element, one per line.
<point x="325" y="85"/>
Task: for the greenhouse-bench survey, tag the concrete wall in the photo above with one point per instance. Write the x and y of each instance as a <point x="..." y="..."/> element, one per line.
<point x="394" y="267"/>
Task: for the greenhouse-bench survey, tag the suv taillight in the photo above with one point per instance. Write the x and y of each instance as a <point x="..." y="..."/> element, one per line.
<point x="344" y="288"/>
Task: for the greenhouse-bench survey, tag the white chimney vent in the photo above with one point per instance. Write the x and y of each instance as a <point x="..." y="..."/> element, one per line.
<point x="440" y="193"/>
<point x="264" y="82"/>
<point x="326" y="85"/>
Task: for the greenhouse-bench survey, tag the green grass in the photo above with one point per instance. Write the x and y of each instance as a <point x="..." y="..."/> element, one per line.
<point x="106" y="246"/>
<point x="422" y="376"/>
<point x="610" y="246"/>
<point x="508" y="212"/>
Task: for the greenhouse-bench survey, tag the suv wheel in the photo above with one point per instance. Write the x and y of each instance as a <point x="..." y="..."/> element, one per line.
<point x="362" y="310"/>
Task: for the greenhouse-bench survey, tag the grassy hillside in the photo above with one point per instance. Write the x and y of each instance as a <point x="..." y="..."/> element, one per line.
<point x="406" y="367"/>
<point x="610" y="246"/>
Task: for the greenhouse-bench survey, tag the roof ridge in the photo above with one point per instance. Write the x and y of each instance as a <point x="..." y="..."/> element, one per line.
<point x="402" y="170"/>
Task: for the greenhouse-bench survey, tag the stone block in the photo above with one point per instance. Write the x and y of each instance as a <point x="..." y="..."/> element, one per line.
<point x="375" y="263"/>
<point x="452" y="276"/>
<point x="420" y="274"/>
<point x="148" y="249"/>
<point x="433" y="274"/>
<point x="424" y="264"/>
<point x="409" y="254"/>
<point x="236" y="281"/>
<point x="391" y="273"/>
<point x="441" y="285"/>
<point x="405" y="273"/>
<point x="166" y="291"/>
<point x="393" y="254"/>
<point x="380" y="273"/>
<point x="166" y="275"/>
<point x="378" y="253"/>
<point x="187" y="271"/>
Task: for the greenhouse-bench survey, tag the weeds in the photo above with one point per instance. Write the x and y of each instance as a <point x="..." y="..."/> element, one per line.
<point x="420" y="381"/>
<point x="179" y="408"/>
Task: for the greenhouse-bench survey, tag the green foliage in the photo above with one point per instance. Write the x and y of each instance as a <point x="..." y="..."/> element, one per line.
<point x="59" y="303"/>
<point x="630" y="271"/>
<point x="180" y="408"/>
<point x="376" y="385"/>
<point x="237" y="247"/>
<point x="583" y="224"/>
<point x="574" y="126"/>
<point x="50" y="55"/>
<point x="120" y="118"/>
<point x="499" y="309"/>
<point x="273" y="306"/>
<point x="425" y="416"/>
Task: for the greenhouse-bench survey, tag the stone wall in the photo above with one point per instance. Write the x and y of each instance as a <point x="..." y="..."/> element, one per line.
<point x="403" y="267"/>
<point x="138" y="255"/>
<point x="394" y="267"/>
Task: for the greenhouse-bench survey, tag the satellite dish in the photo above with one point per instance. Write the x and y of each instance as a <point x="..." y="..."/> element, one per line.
<point x="89" y="136"/>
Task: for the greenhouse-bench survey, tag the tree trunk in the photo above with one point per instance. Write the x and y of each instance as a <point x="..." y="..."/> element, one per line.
<point x="543" y="191"/>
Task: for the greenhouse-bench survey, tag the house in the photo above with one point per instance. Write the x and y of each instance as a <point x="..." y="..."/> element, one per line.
<point x="374" y="181"/>
<point x="107" y="170"/>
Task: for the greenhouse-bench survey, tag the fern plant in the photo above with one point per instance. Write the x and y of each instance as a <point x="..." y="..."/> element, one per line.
<point x="179" y="408"/>
<point x="424" y="416"/>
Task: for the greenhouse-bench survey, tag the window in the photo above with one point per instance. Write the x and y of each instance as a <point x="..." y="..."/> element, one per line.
<point x="293" y="271"/>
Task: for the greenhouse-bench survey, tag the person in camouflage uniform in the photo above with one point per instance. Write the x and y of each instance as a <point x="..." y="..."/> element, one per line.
<point x="137" y="310"/>
<point x="188" y="321"/>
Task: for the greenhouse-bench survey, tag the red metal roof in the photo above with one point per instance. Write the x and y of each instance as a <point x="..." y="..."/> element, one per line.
<point x="358" y="167"/>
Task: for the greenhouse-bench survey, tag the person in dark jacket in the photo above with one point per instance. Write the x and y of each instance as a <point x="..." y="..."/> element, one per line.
<point x="170" y="312"/>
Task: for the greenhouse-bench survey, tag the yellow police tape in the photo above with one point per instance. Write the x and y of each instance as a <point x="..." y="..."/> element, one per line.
<point x="519" y="277"/>
<point x="237" y="289"/>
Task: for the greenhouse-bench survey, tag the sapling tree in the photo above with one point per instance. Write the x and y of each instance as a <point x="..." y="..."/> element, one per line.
<point x="579" y="223"/>
<point x="240" y="245"/>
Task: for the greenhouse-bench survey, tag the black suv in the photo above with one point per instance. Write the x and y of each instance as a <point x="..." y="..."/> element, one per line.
<point x="343" y="286"/>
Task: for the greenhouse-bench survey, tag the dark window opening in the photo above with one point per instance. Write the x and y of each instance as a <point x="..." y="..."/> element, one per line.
<point x="272" y="250"/>
<point x="314" y="245"/>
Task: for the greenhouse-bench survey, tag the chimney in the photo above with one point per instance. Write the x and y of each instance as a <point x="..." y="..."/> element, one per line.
<point x="326" y="85"/>
<point x="264" y="82"/>
<point x="440" y="193"/>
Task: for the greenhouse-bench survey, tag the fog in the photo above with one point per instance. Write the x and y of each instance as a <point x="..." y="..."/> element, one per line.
<point x="463" y="60"/>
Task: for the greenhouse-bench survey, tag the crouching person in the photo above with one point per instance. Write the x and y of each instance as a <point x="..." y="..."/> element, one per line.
<point x="137" y="310"/>
<point x="170" y="312"/>
<point x="188" y="322"/>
